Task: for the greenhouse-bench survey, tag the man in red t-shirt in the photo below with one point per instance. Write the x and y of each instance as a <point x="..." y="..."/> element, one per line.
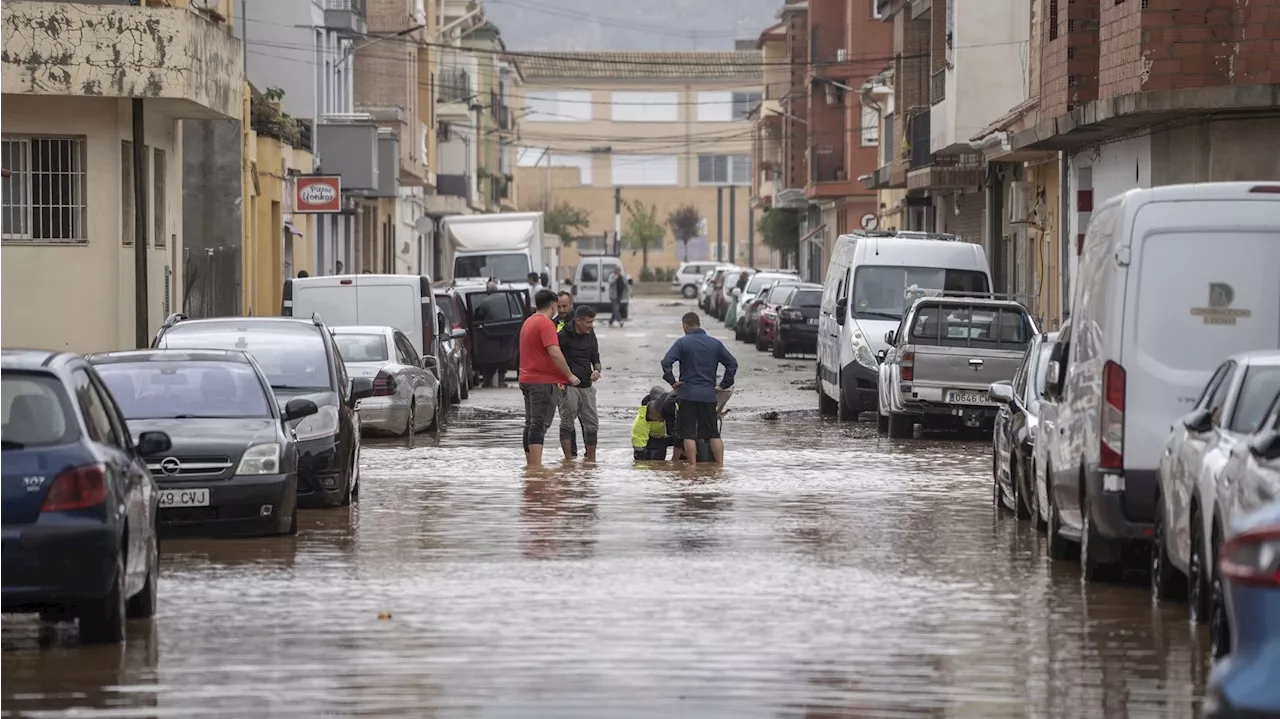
<point x="543" y="374"/>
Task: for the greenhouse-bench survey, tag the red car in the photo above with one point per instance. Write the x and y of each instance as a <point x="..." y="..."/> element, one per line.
<point x="789" y="320"/>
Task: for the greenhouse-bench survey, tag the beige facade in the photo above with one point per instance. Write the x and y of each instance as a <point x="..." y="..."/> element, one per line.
<point x="664" y="133"/>
<point x="69" y="224"/>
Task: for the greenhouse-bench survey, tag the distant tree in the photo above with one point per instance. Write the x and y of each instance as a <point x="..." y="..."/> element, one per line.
<point x="643" y="231"/>
<point x="780" y="229"/>
<point x="684" y="222"/>
<point x="565" y="220"/>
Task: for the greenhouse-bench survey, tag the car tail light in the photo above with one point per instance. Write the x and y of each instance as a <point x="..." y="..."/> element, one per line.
<point x="384" y="385"/>
<point x="78" y="488"/>
<point x="1267" y="189"/>
<point x="908" y="365"/>
<point x="791" y="315"/>
<point x="1253" y="558"/>
<point x="1111" y="436"/>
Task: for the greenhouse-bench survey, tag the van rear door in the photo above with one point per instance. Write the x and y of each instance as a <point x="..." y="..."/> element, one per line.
<point x="1202" y="286"/>
<point x="496" y="319"/>
<point x="333" y="297"/>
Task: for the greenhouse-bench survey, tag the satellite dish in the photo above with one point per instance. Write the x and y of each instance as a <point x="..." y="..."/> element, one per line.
<point x="205" y="5"/>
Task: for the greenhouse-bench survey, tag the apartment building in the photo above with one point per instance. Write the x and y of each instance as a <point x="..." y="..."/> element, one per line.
<point x="780" y="132"/>
<point x="659" y="129"/>
<point x="92" y="160"/>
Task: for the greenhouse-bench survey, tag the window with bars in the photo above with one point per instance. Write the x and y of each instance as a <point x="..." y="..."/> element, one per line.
<point x="1053" y="19"/>
<point x="159" y="200"/>
<point x="744" y="103"/>
<point x="870" y="126"/>
<point x="44" y="193"/>
<point x="724" y="169"/>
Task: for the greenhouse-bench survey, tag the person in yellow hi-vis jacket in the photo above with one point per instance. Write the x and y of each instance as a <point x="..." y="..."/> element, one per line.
<point x="653" y="429"/>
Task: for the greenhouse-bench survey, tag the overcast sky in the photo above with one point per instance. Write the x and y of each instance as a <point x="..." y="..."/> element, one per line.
<point x="629" y="24"/>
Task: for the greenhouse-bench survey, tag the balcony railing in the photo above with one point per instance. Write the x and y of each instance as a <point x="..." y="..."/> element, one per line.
<point x="938" y="87"/>
<point x="456" y="185"/>
<point x="827" y="44"/>
<point x="454" y="85"/>
<point x="826" y="163"/>
<point x="921" y="137"/>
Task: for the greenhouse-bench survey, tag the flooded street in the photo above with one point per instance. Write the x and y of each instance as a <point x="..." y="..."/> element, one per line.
<point x="824" y="572"/>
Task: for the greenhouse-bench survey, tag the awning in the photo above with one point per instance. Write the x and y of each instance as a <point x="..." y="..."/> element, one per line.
<point x="292" y="228"/>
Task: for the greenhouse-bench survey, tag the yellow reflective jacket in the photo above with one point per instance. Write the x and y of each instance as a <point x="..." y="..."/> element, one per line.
<point x="643" y="428"/>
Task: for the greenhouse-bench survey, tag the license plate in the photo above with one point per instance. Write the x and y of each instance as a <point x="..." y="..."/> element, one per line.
<point x="956" y="396"/>
<point x="184" y="498"/>
<point x="813" y="320"/>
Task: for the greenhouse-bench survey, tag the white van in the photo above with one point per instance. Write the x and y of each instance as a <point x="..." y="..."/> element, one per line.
<point x="689" y="276"/>
<point x="591" y="280"/>
<point x="405" y="302"/>
<point x="864" y="297"/>
<point x="1171" y="281"/>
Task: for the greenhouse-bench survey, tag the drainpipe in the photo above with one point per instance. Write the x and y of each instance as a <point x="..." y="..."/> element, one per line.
<point x="141" y="330"/>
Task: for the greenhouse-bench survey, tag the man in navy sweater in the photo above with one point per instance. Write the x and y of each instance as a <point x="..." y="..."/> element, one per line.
<point x="700" y="356"/>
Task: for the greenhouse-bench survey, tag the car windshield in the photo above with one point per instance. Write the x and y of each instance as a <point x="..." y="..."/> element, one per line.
<point x="879" y="293"/>
<point x="181" y="390"/>
<point x="957" y="325"/>
<point x="506" y="266"/>
<point x="1260" y="386"/>
<point x="1042" y="368"/>
<point x="291" y="354"/>
<point x="806" y="298"/>
<point x="363" y="347"/>
<point x="36" y="411"/>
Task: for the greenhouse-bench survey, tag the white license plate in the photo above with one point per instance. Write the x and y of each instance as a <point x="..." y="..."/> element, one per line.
<point x="184" y="498"/>
<point x="813" y="320"/>
<point x="956" y="396"/>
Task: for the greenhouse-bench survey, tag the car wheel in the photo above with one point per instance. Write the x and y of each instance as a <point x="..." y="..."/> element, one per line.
<point x="779" y="349"/>
<point x="1037" y="509"/>
<point x="102" y="621"/>
<point x="689" y="292"/>
<point x="848" y="413"/>
<point x="411" y="424"/>
<point x="455" y="393"/>
<point x="1059" y="547"/>
<point x="143" y="604"/>
<point x="1197" y="591"/>
<point x="1091" y="568"/>
<point x="353" y="479"/>
<point x="997" y="500"/>
<point x="1166" y="581"/>
<point x="1020" y="508"/>
<point x="437" y="419"/>
<point x="737" y="334"/>
<point x="882" y="423"/>
<point x="901" y="426"/>
<point x="1219" y="622"/>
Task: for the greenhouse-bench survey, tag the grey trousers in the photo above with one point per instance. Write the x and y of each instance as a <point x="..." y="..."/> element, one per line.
<point x="578" y="404"/>
<point x="540" y="402"/>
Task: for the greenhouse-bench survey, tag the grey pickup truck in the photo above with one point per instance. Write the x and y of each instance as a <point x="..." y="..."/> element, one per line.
<point x="944" y="355"/>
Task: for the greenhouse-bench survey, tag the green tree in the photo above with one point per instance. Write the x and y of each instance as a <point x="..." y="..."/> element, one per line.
<point x="643" y="232"/>
<point x="684" y="222"/>
<point x="567" y="221"/>
<point x="780" y="230"/>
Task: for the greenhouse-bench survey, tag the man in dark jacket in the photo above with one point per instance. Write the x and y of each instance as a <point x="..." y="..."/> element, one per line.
<point x="699" y="355"/>
<point x="578" y="403"/>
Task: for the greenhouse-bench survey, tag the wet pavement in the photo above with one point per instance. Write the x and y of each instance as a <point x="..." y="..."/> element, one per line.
<point x="824" y="572"/>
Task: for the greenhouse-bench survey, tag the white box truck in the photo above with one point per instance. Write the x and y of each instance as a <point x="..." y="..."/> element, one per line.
<point x="507" y="245"/>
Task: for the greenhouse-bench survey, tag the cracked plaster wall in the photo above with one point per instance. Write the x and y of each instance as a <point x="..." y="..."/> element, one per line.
<point x="122" y="51"/>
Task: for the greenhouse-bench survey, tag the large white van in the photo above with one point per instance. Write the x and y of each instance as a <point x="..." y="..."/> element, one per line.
<point x="864" y="297"/>
<point x="591" y="280"/>
<point x="1171" y="281"/>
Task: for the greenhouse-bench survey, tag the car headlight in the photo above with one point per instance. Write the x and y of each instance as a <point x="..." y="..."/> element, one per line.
<point x="862" y="351"/>
<point x="321" y="424"/>
<point x="260" y="459"/>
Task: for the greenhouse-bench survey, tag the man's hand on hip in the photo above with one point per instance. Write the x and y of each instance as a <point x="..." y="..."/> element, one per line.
<point x="575" y="381"/>
<point x="595" y="375"/>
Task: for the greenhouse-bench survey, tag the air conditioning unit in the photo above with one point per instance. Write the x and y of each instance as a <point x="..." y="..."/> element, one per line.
<point x="841" y="55"/>
<point x="1020" y="203"/>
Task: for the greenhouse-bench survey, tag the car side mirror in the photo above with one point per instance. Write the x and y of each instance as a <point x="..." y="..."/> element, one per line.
<point x="361" y="387"/>
<point x="1051" y="385"/>
<point x="458" y="333"/>
<point x="1199" y="421"/>
<point x="153" y="443"/>
<point x="1001" y="392"/>
<point x="889" y="337"/>
<point x="1266" y="446"/>
<point x="299" y="407"/>
<point x="431" y="363"/>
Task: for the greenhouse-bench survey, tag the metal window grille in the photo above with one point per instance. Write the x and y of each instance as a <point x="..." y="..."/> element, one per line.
<point x="44" y="193"/>
<point x="1053" y="19"/>
<point x="159" y="199"/>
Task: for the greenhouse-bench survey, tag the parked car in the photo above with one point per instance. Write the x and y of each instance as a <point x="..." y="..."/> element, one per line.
<point x="1187" y="517"/>
<point x="451" y="302"/>
<point x="233" y="466"/>
<point x="689" y="276"/>
<point x="704" y="291"/>
<point x="742" y="300"/>
<point x="1246" y="682"/>
<point x="790" y="322"/>
<point x="79" y="506"/>
<point x="1148" y="329"/>
<point x="300" y="361"/>
<point x="455" y="360"/>
<point x="1014" y="435"/>
<point x="407" y="392"/>
<point x="944" y="358"/>
<point x="591" y="281"/>
<point x="723" y="295"/>
<point x="864" y="298"/>
<point x="751" y="320"/>
<point x="495" y="318"/>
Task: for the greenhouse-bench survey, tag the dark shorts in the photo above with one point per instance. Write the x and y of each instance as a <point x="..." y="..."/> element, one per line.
<point x="697" y="420"/>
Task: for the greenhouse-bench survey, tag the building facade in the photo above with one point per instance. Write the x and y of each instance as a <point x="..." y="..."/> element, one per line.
<point x="93" y="162"/>
<point x="605" y="131"/>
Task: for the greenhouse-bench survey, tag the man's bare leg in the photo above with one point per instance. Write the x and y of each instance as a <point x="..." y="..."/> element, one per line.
<point x="717" y="450"/>
<point x="590" y="455"/>
<point x="567" y="446"/>
<point x="691" y="451"/>
<point x="534" y="457"/>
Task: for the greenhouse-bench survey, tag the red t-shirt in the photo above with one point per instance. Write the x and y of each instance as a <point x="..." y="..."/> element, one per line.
<point x="536" y="366"/>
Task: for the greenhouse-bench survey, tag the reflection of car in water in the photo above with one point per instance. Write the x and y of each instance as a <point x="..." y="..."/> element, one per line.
<point x="407" y="394"/>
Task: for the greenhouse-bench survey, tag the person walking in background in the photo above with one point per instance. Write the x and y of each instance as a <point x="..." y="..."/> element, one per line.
<point x="578" y="403"/>
<point x="543" y="375"/>
<point x="535" y="285"/>
<point x="619" y="292"/>
<point x="564" y="310"/>
<point x="699" y="356"/>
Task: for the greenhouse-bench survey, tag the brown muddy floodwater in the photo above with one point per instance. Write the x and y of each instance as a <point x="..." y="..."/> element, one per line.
<point x="824" y="572"/>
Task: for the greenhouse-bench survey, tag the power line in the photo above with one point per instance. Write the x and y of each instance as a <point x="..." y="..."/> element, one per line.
<point x="615" y="21"/>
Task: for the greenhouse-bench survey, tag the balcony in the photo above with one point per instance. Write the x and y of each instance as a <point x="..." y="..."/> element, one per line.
<point x="346" y="17"/>
<point x="453" y="85"/>
<point x="77" y="50"/>
<point x="918" y="134"/>
<point x="455" y="185"/>
<point x="826" y="163"/>
<point x="827" y="45"/>
<point x="938" y="87"/>
<point x="948" y="172"/>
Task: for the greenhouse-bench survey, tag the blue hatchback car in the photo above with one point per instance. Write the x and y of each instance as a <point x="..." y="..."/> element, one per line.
<point x="1245" y="684"/>
<point x="79" y="505"/>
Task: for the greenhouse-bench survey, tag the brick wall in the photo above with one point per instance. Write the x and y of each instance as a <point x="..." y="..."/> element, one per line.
<point x="911" y="40"/>
<point x="795" y="135"/>
<point x="1069" y="54"/>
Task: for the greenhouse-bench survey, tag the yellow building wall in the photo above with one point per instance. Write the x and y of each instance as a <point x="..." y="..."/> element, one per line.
<point x="1046" y="240"/>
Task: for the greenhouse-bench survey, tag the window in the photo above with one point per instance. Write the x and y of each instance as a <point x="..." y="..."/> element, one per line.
<point x="36" y="413"/>
<point x="870" y="126"/>
<point x="726" y="106"/>
<point x="405" y="352"/>
<point x="159" y="199"/>
<point x="645" y="170"/>
<point x="724" y="169"/>
<point x="557" y="105"/>
<point x="95" y="413"/>
<point x="164" y="390"/>
<point x="291" y="356"/>
<point x="952" y="325"/>
<point x="1260" y="387"/>
<point x="645" y="107"/>
<point x="1053" y="19"/>
<point x="537" y="157"/>
<point x="590" y="273"/>
<point x="44" y="190"/>
<point x="744" y="103"/>
<point x="361" y="347"/>
<point x="878" y="290"/>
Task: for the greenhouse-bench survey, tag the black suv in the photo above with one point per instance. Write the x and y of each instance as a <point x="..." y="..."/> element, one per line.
<point x="300" y="360"/>
<point x="233" y="462"/>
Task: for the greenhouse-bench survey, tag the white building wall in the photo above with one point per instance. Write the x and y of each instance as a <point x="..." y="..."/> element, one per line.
<point x="990" y="69"/>
<point x="1108" y="170"/>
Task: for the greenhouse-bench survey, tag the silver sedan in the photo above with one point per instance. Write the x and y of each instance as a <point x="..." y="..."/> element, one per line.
<point x="407" y="392"/>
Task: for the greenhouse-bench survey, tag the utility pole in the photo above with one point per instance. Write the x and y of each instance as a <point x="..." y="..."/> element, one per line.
<point x="546" y="154"/>
<point x="617" y="221"/>
<point x="751" y="236"/>
<point x="141" y="330"/>
<point x="733" y="197"/>
<point x="720" y="224"/>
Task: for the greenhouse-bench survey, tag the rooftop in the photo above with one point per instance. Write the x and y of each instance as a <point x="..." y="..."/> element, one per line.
<point x="606" y="65"/>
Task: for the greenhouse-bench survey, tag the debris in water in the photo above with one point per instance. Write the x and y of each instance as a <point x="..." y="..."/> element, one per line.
<point x="384" y="616"/>
<point x="771" y="415"/>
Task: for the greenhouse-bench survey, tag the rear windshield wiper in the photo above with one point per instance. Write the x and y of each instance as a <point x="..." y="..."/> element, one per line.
<point x="10" y="444"/>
